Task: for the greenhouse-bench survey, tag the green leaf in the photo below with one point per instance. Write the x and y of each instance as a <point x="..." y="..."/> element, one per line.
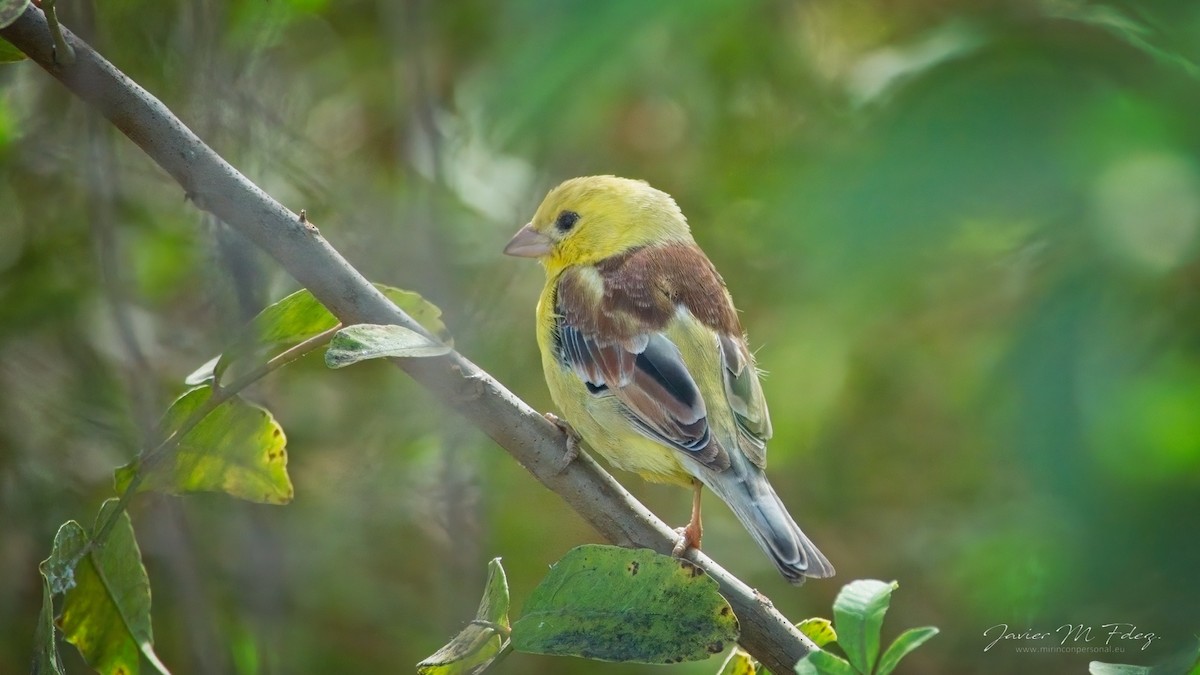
<point x="106" y="613"/>
<point x="205" y="373"/>
<point x="364" y="341"/>
<point x="1183" y="662"/>
<point x="299" y="317"/>
<point x="858" y="614"/>
<point x="58" y="571"/>
<point x="820" y="631"/>
<point x="421" y="310"/>
<point x="616" y="604"/>
<point x="238" y="448"/>
<point x="11" y="10"/>
<point x="905" y="643"/>
<point x="1101" y="668"/>
<point x="45" y="655"/>
<point x="493" y="607"/>
<point x="9" y="53"/>
<point x="739" y="662"/>
<point x="478" y="644"/>
<point x="823" y="663"/>
<point x="58" y="576"/>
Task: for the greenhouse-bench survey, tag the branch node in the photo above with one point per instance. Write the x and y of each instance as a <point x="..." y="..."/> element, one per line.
<point x="762" y="599"/>
<point x="472" y="385"/>
<point x="196" y="198"/>
<point x="308" y="224"/>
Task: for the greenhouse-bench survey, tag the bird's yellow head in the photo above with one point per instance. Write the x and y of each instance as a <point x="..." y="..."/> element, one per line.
<point x="585" y="220"/>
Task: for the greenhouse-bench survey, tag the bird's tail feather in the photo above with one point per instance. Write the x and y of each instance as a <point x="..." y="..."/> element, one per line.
<point x="760" y="510"/>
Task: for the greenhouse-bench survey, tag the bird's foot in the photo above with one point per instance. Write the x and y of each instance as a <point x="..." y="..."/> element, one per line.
<point x="689" y="538"/>
<point x="572" y="440"/>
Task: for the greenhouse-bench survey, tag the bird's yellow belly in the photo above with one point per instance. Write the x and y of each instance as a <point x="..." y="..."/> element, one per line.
<point x="604" y="428"/>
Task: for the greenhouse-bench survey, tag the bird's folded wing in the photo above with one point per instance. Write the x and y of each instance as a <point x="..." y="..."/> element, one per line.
<point x="647" y="374"/>
<point x="612" y="321"/>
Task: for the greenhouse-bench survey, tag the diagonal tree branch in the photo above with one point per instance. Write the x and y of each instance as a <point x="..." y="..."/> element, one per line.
<point x="215" y="186"/>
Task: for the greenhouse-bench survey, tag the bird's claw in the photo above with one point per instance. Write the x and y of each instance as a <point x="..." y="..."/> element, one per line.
<point x="689" y="539"/>
<point x="681" y="546"/>
<point x="572" y="440"/>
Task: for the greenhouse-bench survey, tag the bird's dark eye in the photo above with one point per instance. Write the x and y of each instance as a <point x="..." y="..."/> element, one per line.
<point x="566" y="220"/>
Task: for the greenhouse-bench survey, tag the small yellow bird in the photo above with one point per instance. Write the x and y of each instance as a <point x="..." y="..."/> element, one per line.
<point x="646" y="359"/>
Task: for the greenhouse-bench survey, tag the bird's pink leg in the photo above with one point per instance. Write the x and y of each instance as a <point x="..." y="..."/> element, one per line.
<point x="572" y="440"/>
<point x="690" y="535"/>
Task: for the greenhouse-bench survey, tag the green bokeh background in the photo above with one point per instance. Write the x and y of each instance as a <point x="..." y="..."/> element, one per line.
<point x="963" y="235"/>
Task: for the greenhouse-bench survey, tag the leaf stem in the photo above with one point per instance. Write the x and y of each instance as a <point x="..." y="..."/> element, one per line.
<point x="280" y="360"/>
<point x="64" y="54"/>
<point x="221" y="393"/>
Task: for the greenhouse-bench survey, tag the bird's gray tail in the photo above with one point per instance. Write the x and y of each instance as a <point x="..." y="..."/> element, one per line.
<point x="760" y="510"/>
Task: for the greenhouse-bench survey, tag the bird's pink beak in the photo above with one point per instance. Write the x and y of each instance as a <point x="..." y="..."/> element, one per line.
<point x="528" y="243"/>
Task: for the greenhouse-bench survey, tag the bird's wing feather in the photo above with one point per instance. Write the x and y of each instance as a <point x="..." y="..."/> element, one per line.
<point x="610" y="323"/>
<point x="745" y="396"/>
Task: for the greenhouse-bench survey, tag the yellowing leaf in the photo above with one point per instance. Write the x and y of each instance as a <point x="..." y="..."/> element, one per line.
<point x="370" y="341"/>
<point x="739" y="662"/>
<point x="820" y="631"/>
<point x="238" y="448"/>
<point x="106" y="614"/>
<point x="617" y="604"/>
<point x="477" y="644"/>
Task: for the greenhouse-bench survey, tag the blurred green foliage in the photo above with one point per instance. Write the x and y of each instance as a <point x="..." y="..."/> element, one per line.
<point x="963" y="234"/>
